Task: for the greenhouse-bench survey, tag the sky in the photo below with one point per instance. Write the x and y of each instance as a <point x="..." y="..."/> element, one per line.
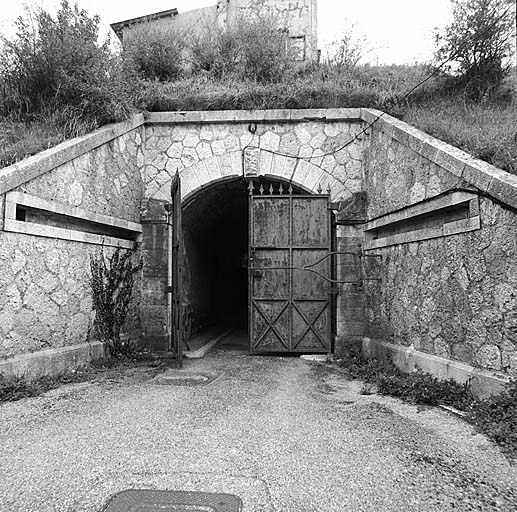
<point x="398" y="31"/>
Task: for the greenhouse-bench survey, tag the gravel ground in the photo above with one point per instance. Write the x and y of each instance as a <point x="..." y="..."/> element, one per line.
<point x="283" y="434"/>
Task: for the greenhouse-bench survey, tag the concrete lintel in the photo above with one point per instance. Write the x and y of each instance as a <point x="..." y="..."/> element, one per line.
<point x="52" y="362"/>
<point x="254" y="116"/>
<point x="36" y="165"/>
<point x="483" y="383"/>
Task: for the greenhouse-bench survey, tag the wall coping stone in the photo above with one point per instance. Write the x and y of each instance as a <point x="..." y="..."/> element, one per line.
<point x="487" y="178"/>
<point x="36" y="165"/>
<point x="247" y="116"/>
<point x="52" y="361"/>
<point x="483" y="383"/>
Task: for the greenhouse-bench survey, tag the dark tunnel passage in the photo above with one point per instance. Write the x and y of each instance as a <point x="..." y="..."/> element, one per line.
<point x="215" y="230"/>
<point x="215" y="276"/>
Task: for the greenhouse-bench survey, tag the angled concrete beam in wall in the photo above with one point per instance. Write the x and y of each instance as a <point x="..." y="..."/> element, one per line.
<point x="449" y="214"/>
<point x="55" y="220"/>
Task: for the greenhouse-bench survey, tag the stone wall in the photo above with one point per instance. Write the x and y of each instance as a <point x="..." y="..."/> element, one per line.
<point x="441" y="281"/>
<point x="45" y="301"/>
<point x="451" y="296"/>
<point x="208" y="146"/>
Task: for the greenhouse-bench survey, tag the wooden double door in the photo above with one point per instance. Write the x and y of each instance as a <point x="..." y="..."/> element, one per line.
<point x="290" y="272"/>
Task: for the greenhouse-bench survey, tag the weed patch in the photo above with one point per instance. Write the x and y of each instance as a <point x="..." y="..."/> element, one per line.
<point x="495" y="416"/>
<point x="141" y="366"/>
<point x="15" y="389"/>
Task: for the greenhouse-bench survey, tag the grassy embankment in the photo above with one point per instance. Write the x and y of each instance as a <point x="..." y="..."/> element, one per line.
<point x="486" y="130"/>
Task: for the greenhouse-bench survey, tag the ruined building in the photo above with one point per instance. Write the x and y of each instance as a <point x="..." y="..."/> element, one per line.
<point x="296" y="17"/>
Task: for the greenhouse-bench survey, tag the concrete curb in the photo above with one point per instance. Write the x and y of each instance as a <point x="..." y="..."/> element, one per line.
<point x="52" y="362"/>
<point x="482" y="383"/>
<point x="201" y="352"/>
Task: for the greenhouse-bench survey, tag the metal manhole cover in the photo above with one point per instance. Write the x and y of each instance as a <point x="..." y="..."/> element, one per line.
<point x="183" y="379"/>
<point x="135" y="500"/>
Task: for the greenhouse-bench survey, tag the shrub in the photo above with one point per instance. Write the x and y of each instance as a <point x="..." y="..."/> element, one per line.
<point x="346" y="53"/>
<point x="263" y="50"/>
<point x="495" y="416"/>
<point x="16" y="388"/>
<point x="111" y="281"/>
<point x="214" y="51"/>
<point x="253" y="49"/>
<point x="417" y="387"/>
<point x="480" y="42"/>
<point x="56" y="65"/>
<point x="424" y="389"/>
<point x="155" y="52"/>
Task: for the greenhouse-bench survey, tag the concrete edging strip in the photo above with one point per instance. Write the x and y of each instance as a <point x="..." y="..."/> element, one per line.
<point x="202" y="351"/>
<point x="254" y="116"/>
<point x="52" y="362"/>
<point x="483" y="383"/>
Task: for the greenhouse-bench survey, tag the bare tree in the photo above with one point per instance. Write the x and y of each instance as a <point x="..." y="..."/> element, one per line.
<point x="346" y="53"/>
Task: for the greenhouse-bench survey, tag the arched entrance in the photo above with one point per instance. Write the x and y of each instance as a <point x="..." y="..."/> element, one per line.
<point x="215" y="236"/>
<point x="285" y="309"/>
<point x="215" y="223"/>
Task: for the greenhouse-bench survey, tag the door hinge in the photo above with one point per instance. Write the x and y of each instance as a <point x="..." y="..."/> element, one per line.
<point x="169" y="289"/>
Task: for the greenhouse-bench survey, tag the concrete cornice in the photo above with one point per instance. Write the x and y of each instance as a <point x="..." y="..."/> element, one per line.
<point x="254" y="116"/>
<point x="486" y="178"/>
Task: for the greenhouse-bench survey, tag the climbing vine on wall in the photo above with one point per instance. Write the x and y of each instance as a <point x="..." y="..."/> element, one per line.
<point x="112" y="279"/>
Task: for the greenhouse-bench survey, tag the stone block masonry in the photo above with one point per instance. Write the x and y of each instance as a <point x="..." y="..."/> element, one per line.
<point x="208" y="148"/>
<point x="435" y="231"/>
<point x="45" y="300"/>
<point x="451" y="296"/>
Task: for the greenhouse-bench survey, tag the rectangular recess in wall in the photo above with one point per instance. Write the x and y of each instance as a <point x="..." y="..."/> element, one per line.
<point x="32" y="215"/>
<point x="445" y="215"/>
<point x="297" y="48"/>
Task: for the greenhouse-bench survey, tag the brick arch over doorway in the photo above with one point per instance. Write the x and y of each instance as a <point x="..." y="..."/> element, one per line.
<point x="301" y="173"/>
